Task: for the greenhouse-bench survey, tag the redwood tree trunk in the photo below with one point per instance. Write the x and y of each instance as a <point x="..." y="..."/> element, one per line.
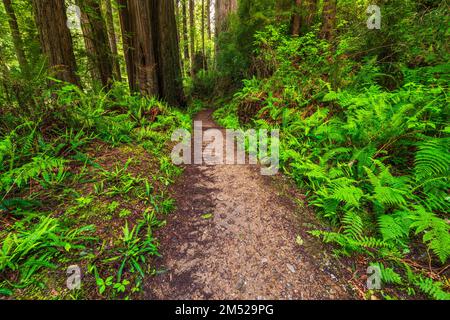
<point x="328" y="19"/>
<point x="311" y="11"/>
<point x="112" y="39"/>
<point x="208" y="18"/>
<point x="223" y="10"/>
<point x="203" y="36"/>
<point x="55" y="38"/>
<point x="96" y="39"/>
<point x="136" y="21"/>
<point x="303" y="16"/>
<point x="89" y="46"/>
<point x="127" y="40"/>
<point x="192" y="34"/>
<point x="15" y="32"/>
<point x="296" y="24"/>
<point x="144" y="56"/>
<point x="167" y="52"/>
<point x="185" y="33"/>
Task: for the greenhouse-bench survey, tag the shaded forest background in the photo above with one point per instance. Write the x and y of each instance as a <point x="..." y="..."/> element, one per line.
<point x="363" y="115"/>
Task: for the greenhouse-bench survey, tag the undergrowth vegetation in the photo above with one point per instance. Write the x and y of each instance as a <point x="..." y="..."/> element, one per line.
<point x="84" y="181"/>
<point x="373" y="161"/>
<point x="85" y="165"/>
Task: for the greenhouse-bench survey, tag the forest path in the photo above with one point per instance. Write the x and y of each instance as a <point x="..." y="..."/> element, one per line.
<point x="247" y="249"/>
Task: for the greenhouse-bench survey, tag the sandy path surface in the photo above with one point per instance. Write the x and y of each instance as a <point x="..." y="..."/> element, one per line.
<point x="246" y="246"/>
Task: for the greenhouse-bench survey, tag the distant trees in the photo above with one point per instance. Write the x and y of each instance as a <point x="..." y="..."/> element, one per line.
<point x="192" y="34"/>
<point x="311" y="12"/>
<point x="15" y="33"/>
<point x="138" y="46"/>
<point x="154" y="58"/>
<point x="303" y="14"/>
<point x="223" y="8"/>
<point x="185" y="33"/>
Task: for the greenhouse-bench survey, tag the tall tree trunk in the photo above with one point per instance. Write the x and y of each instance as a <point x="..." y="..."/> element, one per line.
<point x="328" y="19"/>
<point x="15" y="32"/>
<point x="296" y="24"/>
<point x="203" y="36"/>
<point x="136" y="21"/>
<point x="144" y="55"/>
<point x="127" y="41"/>
<point x="112" y="39"/>
<point x="185" y="33"/>
<point x="96" y="39"/>
<point x="167" y="52"/>
<point x="4" y="78"/>
<point x="283" y="9"/>
<point x="179" y="32"/>
<point x="89" y="46"/>
<point x="223" y="10"/>
<point x="192" y="34"/>
<point x="311" y="11"/>
<point x="55" y="38"/>
<point x="208" y="18"/>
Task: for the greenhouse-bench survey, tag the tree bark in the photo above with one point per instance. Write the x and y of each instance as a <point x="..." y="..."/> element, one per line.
<point x="144" y="56"/>
<point x="136" y="22"/>
<point x="192" y="33"/>
<point x="112" y="39"/>
<point x="311" y="11"/>
<point x="89" y="46"/>
<point x="55" y="38"/>
<point x="167" y="52"/>
<point x="328" y="19"/>
<point x="185" y="33"/>
<point x="15" y="32"/>
<point x="223" y="10"/>
<point x="283" y="9"/>
<point x="96" y="40"/>
<point x="208" y="18"/>
<point x="203" y="36"/>
<point x="296" y="24"/>
<point x="127" y="37"/>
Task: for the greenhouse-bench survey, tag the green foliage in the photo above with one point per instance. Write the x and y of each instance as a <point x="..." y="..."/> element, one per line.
<point x="46" y="166"/>
<point x="388" y="275"/>
<point x="432" y="288"/>
<point x="435" y="232"/>
<point x="374" y="162"/>
<point x="27" y="250"/>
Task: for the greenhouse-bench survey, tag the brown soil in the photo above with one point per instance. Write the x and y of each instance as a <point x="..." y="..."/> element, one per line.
<point x="246" y="247"/>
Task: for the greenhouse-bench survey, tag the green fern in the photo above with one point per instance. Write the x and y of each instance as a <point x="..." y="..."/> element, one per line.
<point x="432" y="159"/>
<point x="435" y="232"/>
<point x="353" y="225"/>
<point x="432" y="288"/>
<point x="41" y="166"/>
<point x="394" y="227"/>
<point x="388" y="275"/>
<point x="388" y="191"/>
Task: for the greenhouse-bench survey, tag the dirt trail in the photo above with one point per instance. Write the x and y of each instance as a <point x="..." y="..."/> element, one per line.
<point x="248" y="248"/>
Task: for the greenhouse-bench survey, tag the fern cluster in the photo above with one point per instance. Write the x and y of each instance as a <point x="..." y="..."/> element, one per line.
<point x="373" y="162"/>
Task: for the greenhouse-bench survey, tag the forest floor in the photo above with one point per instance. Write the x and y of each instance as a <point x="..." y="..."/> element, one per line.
<point x="237" y="234"/>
